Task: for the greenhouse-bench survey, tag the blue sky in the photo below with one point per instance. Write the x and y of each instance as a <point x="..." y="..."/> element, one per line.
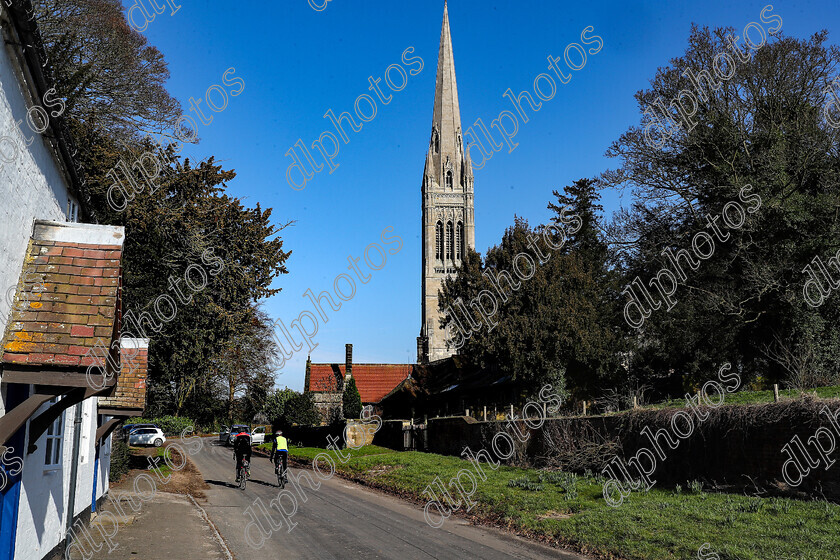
<point x="297" y="63"/>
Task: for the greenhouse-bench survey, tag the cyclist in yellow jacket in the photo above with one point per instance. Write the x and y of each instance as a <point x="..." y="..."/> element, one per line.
<point x="279" y="451"/>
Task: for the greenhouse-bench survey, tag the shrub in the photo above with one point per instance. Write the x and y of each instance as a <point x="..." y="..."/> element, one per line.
<point x="120" y="460"/>
<point x="171" y="425"/>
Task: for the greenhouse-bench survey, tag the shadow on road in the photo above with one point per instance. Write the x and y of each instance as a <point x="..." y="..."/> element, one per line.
<point x="221" y="483"/>
<point x="260" y="482"/>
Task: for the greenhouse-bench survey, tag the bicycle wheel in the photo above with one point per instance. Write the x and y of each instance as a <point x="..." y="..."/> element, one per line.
<point x="243" y="478"/>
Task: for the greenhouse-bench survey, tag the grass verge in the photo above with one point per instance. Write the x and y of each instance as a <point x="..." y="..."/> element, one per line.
<point x="570" y="511"/>
<point x="758" y="397"/>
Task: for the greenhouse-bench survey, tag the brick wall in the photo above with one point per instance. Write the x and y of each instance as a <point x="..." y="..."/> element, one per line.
<point x="131" y="384"/>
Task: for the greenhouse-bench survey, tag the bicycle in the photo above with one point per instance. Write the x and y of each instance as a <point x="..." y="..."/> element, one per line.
<point x="242" y="473"/>
<point x="281" y="477"/>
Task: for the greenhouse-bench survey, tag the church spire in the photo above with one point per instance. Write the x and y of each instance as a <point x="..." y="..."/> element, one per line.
<point x="447" y="194"/>
<point x="447" y="115"/>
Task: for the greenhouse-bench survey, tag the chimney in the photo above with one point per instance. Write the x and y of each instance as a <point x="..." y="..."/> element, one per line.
<point x="348" y="361"/>
<point x="308" y="372"/>
<point x="130" y="391"/>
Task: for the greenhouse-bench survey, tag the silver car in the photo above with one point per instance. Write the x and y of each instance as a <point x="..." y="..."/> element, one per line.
<point x="147" y="436"/>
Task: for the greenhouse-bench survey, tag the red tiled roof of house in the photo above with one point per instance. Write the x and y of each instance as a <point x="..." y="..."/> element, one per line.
<point x="67" y="298"/>
<point x="374" y="381"/>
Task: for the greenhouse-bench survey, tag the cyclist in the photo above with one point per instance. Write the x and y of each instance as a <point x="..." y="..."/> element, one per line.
<point x="279" y="451"/>
<point x="241" y="450"/>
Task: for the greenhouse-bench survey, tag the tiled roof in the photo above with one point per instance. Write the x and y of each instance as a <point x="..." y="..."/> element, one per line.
<point x="67" y="298"/>
<point x="374" y="381"/>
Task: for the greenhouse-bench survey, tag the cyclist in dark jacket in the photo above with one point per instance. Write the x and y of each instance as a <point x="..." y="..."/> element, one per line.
<point x="241" y="450"/>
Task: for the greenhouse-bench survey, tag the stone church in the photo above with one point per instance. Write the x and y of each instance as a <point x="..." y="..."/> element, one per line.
<point x="448" y="215"/>
<point x="448" y="231"/>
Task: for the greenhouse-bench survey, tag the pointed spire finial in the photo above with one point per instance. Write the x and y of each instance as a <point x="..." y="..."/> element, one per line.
<point x="447" y="113"/>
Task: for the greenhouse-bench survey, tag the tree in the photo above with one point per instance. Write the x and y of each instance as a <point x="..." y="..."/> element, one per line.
<point x="558" y="320"/>
<point x="188" y="240"/>
<point x="761" y="142"/>
<point x="300" y="409"/>
<point x="275" y="404"/>
<point x="111" y="78"/>
<point x="244" y="365"/>
<point x="351" y="400"/>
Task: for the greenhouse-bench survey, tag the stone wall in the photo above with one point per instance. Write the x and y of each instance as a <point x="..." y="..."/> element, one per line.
<point x="328" y="405"/>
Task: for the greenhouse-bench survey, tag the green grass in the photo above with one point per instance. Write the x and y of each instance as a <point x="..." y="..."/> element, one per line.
<point x="756" y="397"/>
<point x="162" y="469"/>
<point x="659" y="524"/>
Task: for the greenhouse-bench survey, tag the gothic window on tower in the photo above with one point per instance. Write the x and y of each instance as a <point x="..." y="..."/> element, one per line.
<point x="448" y="179"/>
<point x="459" y="241"/>
<point x="439" y="241"/>
<point x="450" y="246"/>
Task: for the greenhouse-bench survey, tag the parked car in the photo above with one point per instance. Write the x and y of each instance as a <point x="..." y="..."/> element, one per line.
<point x="236" y="429"/>
<point x="258" y="435"/>
<point x="224" y="433"/>
<point x="131" y="428"/>
<point x="147" y="436"/>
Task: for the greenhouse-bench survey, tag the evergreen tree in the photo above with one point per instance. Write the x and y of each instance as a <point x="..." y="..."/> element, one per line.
<point x="351" y="400"/>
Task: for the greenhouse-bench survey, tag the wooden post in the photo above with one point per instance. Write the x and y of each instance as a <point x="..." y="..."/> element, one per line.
<point x="495" y="413"/>
<point x="485" y="413"/>
<point x="635" y="402"/>
<point x="775" y="392"/>
<point x="511" y="411"/>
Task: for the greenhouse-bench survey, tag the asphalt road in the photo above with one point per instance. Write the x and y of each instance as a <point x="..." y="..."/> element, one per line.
<point x="341" y="520"/>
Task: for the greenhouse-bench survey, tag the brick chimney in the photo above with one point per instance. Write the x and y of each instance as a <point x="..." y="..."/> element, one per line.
<point x="307" y="379"/>
<point x="348" y="361"/>
<point x="130" y="392"/>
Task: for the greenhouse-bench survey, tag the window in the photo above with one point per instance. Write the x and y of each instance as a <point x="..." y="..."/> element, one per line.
<point x="439" y="241"/>
<point x="52" y="457"/>
<point x="448" y="179"/>
<point x="459" y="241"/>
<point x="72" y="210"/>
<point x="450" y="246"/>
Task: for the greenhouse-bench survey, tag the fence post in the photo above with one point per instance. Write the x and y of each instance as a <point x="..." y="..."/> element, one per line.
<point x="775" y="392"/>
<point x="511" y="411"/>
<point x="584" y="408"/>
<point x="485" y="413"/>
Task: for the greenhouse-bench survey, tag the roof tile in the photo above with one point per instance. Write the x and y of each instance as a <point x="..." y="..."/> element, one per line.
<point x="374" y="381"/>
<point x="66" y="302"/>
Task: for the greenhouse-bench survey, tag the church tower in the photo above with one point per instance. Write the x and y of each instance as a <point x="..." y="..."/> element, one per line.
<point x="448" y="216"/>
